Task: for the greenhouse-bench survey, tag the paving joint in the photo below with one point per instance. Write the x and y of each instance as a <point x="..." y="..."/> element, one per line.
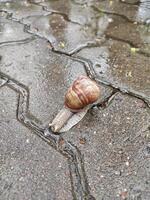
<point x="76" y="3"/>
<point x="131" y="44"/>
<point x="116" y="14"/>
<point x="17" y="42"/>
<point x="65" y="16"/>
<point x="130" y="3"/>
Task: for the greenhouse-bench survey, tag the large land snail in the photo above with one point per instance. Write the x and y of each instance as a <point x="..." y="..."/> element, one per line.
<point x="81" y="93"/>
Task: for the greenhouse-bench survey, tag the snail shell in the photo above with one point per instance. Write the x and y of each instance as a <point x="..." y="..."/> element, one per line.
<point x="82" y="92"/>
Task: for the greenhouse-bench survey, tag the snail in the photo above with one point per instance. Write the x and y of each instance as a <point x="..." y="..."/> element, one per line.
<point x="80" y="94"/>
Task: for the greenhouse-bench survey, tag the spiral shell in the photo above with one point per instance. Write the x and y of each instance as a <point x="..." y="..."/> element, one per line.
<point x="82" y="92"/>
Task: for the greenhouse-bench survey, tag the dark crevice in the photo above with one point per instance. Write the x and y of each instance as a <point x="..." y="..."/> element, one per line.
<point x="112" y="13"/>
<point x="122" y="90"/>
<point x="117" y="14"/>
<point x="121" y="40"/>
<point x="3" y="11"/>
<point x="106" y="102"/>
<point x="144" y="53"/>
<point x="17" y="42"/>
<point x="64" y="15"/>
<point x="87" y="65"/>
<point x="30" y="16"/>
<point x="131" y="44"/>
<point x="34" y="3"/>
<point x="59" y="52"/>
<point x="77" y="3"/>
<point x="137" y="2"/>
<point x="49" y="12"/>
<point x="97" y="42"/>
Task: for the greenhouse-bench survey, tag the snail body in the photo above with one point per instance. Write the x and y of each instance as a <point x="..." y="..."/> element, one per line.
<point x="80" y="94"/>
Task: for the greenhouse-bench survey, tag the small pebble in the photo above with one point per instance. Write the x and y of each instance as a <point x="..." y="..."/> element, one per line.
<point x="124" y="195"/>
<point x="141" y="104"/>
<point x="61" y="141"/>
<point x="82" y="141"/>
<point x="127" y="163"/>
<point x="110" y="20"/>
<point x="118" y="173"/>
<point x="27" y="140"/>
<point x="148" y="21"/>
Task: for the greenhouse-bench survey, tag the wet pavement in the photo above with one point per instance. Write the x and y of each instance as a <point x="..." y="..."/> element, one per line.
<point x="44" y="46"/>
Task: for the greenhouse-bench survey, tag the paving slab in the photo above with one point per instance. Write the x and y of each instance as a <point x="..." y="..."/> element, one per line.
<point x="59" y="32"/>
<point x="29" y="168"/>
<point x="115" y="143"/>
<point x="21" y="9"/>
<point x="136" y="35"/>
<point x="10" y="31"/>
<point x="82" y="14"/>
<point x="139" y="11"/>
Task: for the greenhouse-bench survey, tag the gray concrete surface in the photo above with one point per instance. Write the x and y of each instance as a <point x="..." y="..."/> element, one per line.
<point x="44" y="46"/>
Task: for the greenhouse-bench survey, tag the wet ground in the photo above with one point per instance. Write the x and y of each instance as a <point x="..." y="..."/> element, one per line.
<point x="44" y="46"/>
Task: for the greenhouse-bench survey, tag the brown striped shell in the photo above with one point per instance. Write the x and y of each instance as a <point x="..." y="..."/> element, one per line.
<point x="82" y="92"/>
